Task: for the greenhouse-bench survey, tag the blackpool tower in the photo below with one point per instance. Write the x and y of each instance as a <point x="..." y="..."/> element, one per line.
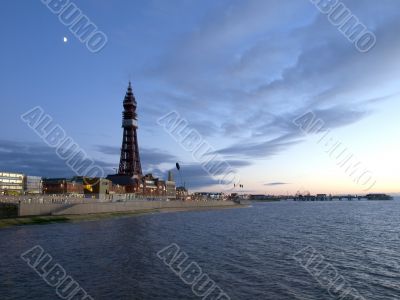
<point x="129" y="164"/>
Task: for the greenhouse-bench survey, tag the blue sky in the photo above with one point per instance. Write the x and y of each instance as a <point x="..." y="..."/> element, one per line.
<point x="238" y="71"/>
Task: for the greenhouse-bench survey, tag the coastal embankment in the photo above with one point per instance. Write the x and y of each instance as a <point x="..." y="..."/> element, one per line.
<point x="59" y="209"/>
<point x="24" y="213"/>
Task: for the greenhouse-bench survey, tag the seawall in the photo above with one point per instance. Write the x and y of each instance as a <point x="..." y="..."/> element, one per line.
<point x="35" y="209"/>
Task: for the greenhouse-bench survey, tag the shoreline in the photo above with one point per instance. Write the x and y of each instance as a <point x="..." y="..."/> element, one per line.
<point x="43" y="220"/>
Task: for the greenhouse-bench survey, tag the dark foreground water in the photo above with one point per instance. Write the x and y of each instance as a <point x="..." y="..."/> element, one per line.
<point x="247" y="252"/>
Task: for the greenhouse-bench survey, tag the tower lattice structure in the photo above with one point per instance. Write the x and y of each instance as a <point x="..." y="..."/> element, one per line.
<point x="130" y="160"/>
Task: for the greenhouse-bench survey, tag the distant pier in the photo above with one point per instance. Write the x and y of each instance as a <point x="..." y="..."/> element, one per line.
<point x="323" y="197"/>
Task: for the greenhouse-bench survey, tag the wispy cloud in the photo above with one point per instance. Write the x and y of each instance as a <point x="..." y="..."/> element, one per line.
<point x="36" y="159"/>
<point x="276" y="183"/>
<point x="271" y="61"/>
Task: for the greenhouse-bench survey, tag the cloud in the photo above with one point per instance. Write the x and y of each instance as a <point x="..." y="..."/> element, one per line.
<point x="264" y="149"/>
<point x="253" y="67"/>
<point x="148" y="156"/>
<point x="285" y="133"/>
<point x="37" y="159"/>
<point x="276" y="183"/>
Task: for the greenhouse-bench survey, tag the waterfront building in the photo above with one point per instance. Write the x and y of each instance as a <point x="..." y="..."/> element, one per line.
<point x="152" y="186"/>
<point x="100" y="188"/>
<point x="63" y="186"/>
<point x="33" y="185"/>
<point x="117" y="189"/>
<point x="161" y="187"/>
<point x="208" y="196"/>
<point x="96" y="186"/>
<point x="170" y="187"/>
<point x="11" y="183"/>
<point x="181" y="193"/>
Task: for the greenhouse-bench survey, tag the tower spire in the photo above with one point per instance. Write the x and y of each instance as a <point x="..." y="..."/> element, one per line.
<point x="129" y="96"/>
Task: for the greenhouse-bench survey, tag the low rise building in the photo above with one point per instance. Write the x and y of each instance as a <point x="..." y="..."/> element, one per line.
<point x="100" y="188"/>
<point x="208" y="196"/>
<point x="150" y="186"/>
<point x="33" y="185"/>
<point x="170" y="190"/>
<point x="54" y="186"/>
<point x="147" y="185"/>
<point x="181" y="193"/>
<point x="129" y="184"/>
<point x="117" y="189"/>
<point x="170" y="187"/>
<point x="11" y="183"/>
<point x="96" y="186"/>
